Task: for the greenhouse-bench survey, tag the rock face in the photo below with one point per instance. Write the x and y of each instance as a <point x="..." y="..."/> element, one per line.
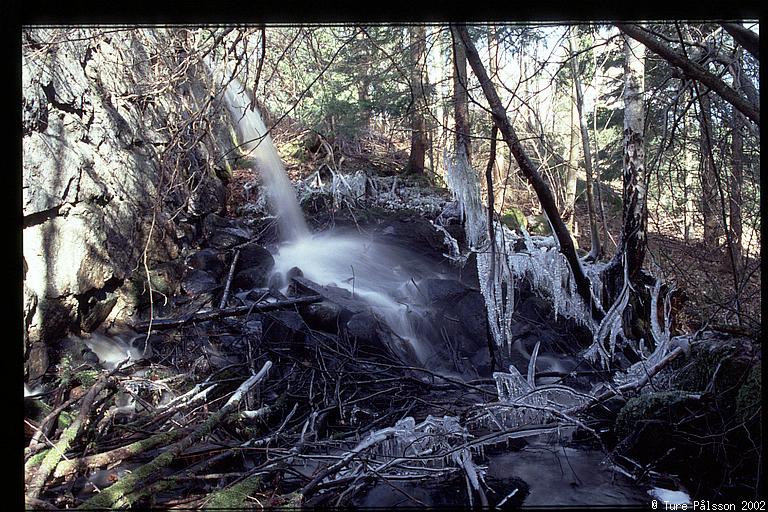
<point x="107" y="166"/>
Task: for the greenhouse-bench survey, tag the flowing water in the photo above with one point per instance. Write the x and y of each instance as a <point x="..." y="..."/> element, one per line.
<point x="373" y="272"/>
<point x="257" y="144"/>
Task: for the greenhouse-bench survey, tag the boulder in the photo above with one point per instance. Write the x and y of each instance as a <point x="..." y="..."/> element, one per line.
<point x="249" y="279"/>
<point x="209" y="261"/>
<point x="91" y="174"/>
<point x="199" y="281"/>
<point x="254" y="256"/>
<point x="283" y="328"/>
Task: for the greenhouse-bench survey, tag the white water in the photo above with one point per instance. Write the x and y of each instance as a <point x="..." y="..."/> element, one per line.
<point x="257" y="144"/>
<point x="373" y="272"/>
<point x="376" y="273"/>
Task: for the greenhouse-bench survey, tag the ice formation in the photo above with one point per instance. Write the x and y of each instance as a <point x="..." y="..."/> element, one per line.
<point x="541" y="263"/>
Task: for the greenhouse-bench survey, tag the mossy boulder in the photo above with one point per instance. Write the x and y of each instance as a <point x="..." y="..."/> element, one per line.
<point x="539" y="225"/>
<point x="723" y="366"/>
<point x="660" y="405"/>
<point x="514" y="218"/>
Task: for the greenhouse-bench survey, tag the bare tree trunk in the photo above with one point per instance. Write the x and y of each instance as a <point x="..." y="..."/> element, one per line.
<point x="569" y="205"/>
<point x="499" y="163"/>
<point x="418" y="35"/>
<point x="688" y="192"/>
<point x="712" y="230"/>
<point x="596" y="249"/>
<point x="540" y="186"/>
<point x="737" y="155"/>
<point x="460" y="97"/>
<point x="633" y="243"/>
<point x="598" y="187"/>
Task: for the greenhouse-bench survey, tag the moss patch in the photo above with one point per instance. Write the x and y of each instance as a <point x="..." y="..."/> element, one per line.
<point x="652" y="405"/>
<point x="750" y="394"/>
<point x="235" y="496"/>
<point x="514" y="218"/>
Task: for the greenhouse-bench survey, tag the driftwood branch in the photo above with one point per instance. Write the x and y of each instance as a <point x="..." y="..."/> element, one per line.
<point x="231" y="274"/>
<point x="202" y="316"/>
<point x="67" y="439"/>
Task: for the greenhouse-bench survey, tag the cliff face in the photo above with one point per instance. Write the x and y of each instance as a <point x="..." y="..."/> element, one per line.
<point x="121" y="156"/>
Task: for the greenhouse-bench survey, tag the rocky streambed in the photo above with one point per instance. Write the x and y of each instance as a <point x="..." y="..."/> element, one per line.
<point x="345" y="412"/>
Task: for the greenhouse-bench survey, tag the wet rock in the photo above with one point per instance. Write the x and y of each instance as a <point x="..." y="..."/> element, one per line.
<point x="277" y="281"/>
<point x="97" y="312"/>
<point x="210" y="195"/>
<point x="198" y="281"/>
<point x="325" y="316"/>
<point x="363" y="327"/>
<point x="414" y="233"/>
<point x="441" y="291"/>
<point x="249" y="279"/>
<point x="472" y="315"/>
<point x="254" y="256"/>
<point x="208" y="260"/>
<point x="226" y="239"/>
<point x="75" y="350"/>
<point x="37" y="362"/>
<point x="284" y="330"/>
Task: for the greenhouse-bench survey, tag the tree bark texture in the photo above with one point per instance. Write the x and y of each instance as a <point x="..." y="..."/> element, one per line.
<point x="635" y="214"/>
<point x="596" y="248"/>
<point x="460" y="97"/>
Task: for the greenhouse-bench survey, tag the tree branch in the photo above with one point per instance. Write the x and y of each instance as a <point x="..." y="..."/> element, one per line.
<point x="693" y="70"/>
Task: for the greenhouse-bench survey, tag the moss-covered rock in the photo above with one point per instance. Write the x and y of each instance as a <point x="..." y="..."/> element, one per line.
<point x="750" y="394"/>
<point x="660" y="405"/>
<point x="539" y="225"/>
<point x="514" y="218"/>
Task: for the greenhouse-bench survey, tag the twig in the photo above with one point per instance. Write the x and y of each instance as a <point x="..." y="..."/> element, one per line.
<point x="68" y="437"/>
<point x="201" y="316"/>
<point x="229" y="280"/>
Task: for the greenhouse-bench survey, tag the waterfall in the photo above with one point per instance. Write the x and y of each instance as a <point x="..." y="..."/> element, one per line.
<point x="372" y="272"/>
<point x="258" y="145"/>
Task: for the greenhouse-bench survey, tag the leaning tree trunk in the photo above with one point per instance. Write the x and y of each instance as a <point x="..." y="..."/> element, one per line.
<point x="460" y="97"/>
<point x="596" y="249"/>
<point x="528" y="169"/>
<point x="418" y="36"/>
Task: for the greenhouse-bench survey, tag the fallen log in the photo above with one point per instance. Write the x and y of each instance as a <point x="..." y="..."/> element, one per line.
<point x="212" y="314"/>
<point x="118" y="494"/>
